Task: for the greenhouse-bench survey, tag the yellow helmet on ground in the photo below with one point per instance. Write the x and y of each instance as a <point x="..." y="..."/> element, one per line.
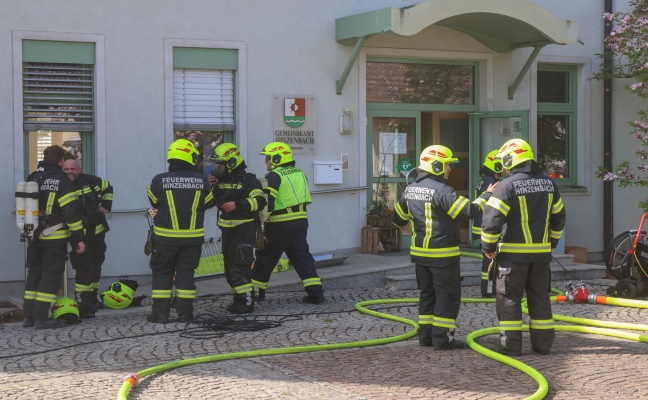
<point x="118" y="296"/>
<point x="434" y="158"/>
<point x="514" y="152"/>
<point x="66" y="308"/>
<point x="493" y="163"/>
<point x="183" y="150"/>
<point x="228" y="154"/>
<point x="280" y="153"/>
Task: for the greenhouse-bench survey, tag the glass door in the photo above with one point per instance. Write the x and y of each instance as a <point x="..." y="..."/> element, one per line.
<point x="394" y="146"/>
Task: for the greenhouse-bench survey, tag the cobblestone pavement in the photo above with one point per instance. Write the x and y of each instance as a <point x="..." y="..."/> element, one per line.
<point x="90" y="360"/>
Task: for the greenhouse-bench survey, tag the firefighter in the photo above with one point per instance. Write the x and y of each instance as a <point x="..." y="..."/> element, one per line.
<point x="490" y="173"/>
<point x="59" y="223"/>
<point x="181" y="197"/>
<point x="239" y="197"/>
<point x="433" y="208"/>
<point x="287" y="225"/>
<point x="528" y="202"/>
<point x="96" y="195"/>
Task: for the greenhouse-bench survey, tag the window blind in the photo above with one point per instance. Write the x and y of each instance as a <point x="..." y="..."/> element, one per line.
<point x="203" y="99"/>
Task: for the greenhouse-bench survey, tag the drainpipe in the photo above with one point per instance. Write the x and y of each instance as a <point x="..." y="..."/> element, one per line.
<point x="607" y="136"/>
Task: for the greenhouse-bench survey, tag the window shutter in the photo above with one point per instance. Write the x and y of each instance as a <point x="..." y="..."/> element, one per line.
<point x="203" y="99"/>
<point x="58" y="97"/>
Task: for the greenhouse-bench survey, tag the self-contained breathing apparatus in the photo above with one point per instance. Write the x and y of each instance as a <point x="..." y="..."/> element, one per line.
<point x="30" y="221"/>
<point x="261" y="239"/>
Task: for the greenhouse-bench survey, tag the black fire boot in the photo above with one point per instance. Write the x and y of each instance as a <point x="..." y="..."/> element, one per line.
<point x="243" y="303"/>
<point x="425" y="335"/>
<point x="28" y="313"/>
<point x="49" y="323"/>
<point x="260" y="296"/>
<point x="315" y="295"/>
<point x="160" y="311"/>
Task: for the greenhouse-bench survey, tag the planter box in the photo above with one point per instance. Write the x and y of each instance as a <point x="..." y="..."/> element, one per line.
<point x="378" y="240"/>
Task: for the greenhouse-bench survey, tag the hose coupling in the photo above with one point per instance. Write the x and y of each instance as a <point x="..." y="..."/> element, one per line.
<point x="133" y="379"/>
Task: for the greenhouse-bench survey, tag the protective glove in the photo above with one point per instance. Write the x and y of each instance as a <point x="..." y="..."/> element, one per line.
<point x="261" y="239"/>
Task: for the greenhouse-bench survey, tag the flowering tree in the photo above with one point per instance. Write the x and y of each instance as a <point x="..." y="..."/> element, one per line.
<point x="627" y="49"/>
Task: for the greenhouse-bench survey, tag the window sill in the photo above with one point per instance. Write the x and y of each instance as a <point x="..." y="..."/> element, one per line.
<point x="572" y="189"/>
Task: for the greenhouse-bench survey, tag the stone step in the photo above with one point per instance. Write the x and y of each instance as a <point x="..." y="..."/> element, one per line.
<point x="472" y="277"/>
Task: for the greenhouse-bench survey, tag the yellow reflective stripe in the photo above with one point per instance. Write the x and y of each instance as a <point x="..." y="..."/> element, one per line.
<point x="541" y="324"/>
<point x="253" y="204"/>
<point x="107" y="197"/>
<point x="194" y="210"/>
<point x="256" y="193"/>
<point x="437" y="252"/>
<point x="179" y="233"/>
<point x="243" y="288"/>
<point x="499" y="205"/>
<point x="29" y="295"/>
<point x="556" y="208"/>
<point x="185" y="294"/>
<point x="231" y="223"/>
<point x="524" y="220"/>
<point x="83" y="288"/>
<point x="60" y="234"/>
<point x="525" y="247"/>
<point x="259" y="284"/>
<point x="209" y="197"/>
<point x="66" y="199"/>
<point x="46" y="297"/>
<point x="151" y="196"/>
<point x="457" y="206"/>
<point x="429" y="225"/>
<point x="489" y="237"/>
<point x="481" y="202"/>
<point x="400" y="213"/>
<point x="161" y="294"/>
<point x="510" y="325"/>
<point x="484" y="276"/>
<point x="273" y="192"/>
<point x="172" y="210"/>
<point x="99" y="229"/>
<point x="545" y="236"/>
<point x="476" y="230"/>
<point x="50" y="202"/>
<point x="286" y="217"/>
<point x="312" y="282"/>
<point x="444" y="322"/>
<point x="75" y="226"/>
<point x="425" y="319"/>
<point x="556" y="234"/>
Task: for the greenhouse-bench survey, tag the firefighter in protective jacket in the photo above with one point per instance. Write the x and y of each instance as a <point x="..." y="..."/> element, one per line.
<point x="433" y="208"/>
<point x="59" y="222"/>
<point x="181" y="197"/>
<point x="529" y="203"/>
<point x="239" y="197"/>
<point x="490" y="172"/>
<point x="96" y="195"/>
<point x="287" y="224"/>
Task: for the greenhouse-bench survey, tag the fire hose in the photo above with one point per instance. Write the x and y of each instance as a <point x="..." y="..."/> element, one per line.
<point x="578" y="294"/>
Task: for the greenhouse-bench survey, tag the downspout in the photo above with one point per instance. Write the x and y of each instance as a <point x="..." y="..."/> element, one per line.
<point x="607" y="135"/>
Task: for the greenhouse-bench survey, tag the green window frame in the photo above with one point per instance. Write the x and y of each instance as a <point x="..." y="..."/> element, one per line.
<point x="58" y="88"/>
<point x="557" y="122"/>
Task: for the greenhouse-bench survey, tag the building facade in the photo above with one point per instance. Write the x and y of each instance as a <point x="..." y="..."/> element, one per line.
<point x="357" y="88"/>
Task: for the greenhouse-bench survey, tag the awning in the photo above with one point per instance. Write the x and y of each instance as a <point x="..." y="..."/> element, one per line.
<point x="500" y="25"/>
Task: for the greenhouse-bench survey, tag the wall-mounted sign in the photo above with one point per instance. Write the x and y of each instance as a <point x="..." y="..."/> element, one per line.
<point x="295" y="121"/>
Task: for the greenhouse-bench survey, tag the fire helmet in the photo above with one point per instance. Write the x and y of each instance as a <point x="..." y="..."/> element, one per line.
<point x="183" y="150"/>
<point x="514" y="152"/>
<point x="434" y="158"/>
<point x="228" y="154"/>
<point x="66" y="308"/>
<point x="280" y="153"/>
<point x="493" y="163"/>
<point x="118" y="296"/>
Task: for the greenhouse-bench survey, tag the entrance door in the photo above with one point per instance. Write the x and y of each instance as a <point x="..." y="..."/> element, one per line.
<point x="396" y="139"/>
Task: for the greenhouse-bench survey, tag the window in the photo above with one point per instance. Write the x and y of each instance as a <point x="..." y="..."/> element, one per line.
<point x="417" y="83"/>
<point x="204" y="98"/>
<point x="58" y="100"/>
<point x="556" y="141"/>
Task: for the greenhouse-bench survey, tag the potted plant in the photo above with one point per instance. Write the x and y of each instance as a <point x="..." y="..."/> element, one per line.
<point x="379" y="214"/>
